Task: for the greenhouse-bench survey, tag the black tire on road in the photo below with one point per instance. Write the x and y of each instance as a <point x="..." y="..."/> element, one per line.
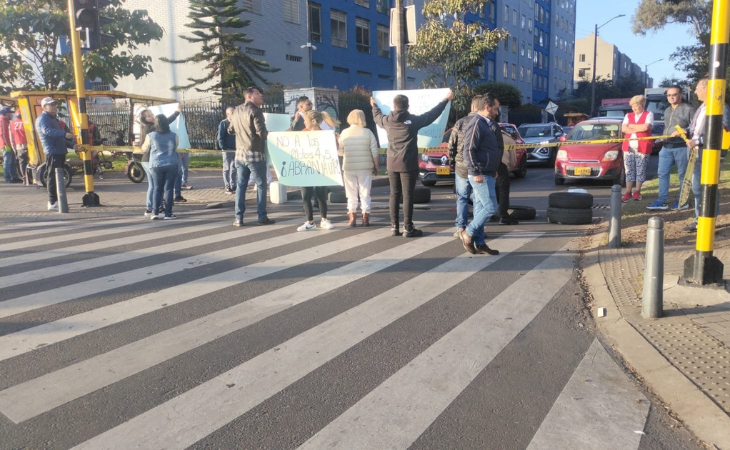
<point x="559" y="181"/>
<point x="574" y="200"/>
<point x="421" y="195"/>
<point x="522" y="168"/>
<point x="135" y="172"/>
<point x="43" y="176"/>
<point x="337" y="197"/>
<point x="570" y="216"/>
<point x="428" y="183"/>
<point x="522" y="212"/>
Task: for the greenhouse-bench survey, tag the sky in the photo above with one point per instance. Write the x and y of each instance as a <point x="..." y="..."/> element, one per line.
<point x="642" y="50"/>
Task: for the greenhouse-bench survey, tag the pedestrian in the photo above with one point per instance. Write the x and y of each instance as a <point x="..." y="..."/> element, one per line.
<point x="55" y="143"/>
<point x="249" y="127"/>
<point x="19" y="142"/>
<point x="303" y="105"/>
<point x="181" y="181"/>
<point x="636" y="125"/>
<point x="146" y="126"/>
<point x="462" y="187"/>
<point x="698" y="128"/>
<point x="481" y="155"/>
<point x="359" y="150"/>
<point x="502" y="182"/>
<point x="674" y="150"/>
<point x="402" y="156"/>
<point x="9" y="170"/>
<point x="227" y="144"/>
<point x="163" y="165"/>
<point x="313" y="120"/>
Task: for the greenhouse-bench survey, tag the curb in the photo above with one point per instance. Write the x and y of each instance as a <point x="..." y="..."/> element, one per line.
<point x="700" y="414"/>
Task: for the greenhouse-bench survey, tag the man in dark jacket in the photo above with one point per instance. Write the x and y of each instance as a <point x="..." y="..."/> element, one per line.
<point x="55" y="142"/>
<point x="502" y="182"/>
<point x="227" y="144"/>
<point x="303" y="105"/>
<point x="481" y="154"/>
<point x="461" y="174"/>
<point x="402" y="162"/>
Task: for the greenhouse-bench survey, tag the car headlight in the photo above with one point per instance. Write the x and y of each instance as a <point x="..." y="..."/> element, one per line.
<point x="424" y="157"/>
<point x="543" y="150"/>
<point x="610" y="156"/>
<point x="562" y="155"/>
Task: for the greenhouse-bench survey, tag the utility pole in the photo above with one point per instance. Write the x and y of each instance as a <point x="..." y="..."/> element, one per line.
<point x="400" y="53"/>
<point x="593" y="82"/>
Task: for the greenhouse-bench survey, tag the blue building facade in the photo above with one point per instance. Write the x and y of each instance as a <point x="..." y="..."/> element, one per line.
<point x="541" y="58"/>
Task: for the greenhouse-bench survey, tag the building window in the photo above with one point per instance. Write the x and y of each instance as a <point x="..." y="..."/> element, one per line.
<point x="255" y="51"/>
<point x="384" y="77"/>
<point x="253" y="6"/>
<point x="582" y="57"/>
<point x="514" y="71"/>
<point x="514" y="45"/>
<point x="491" y="10"/>
<point x="505" y="70"/>
<point x="529" y="74"/>
<point x="522" y="22"/>
<point x="291" y="11"/>
<point x="338" y="27"/>
<point x="537" y="12"/>
<point x="557" y="44"/>
<point x="340" y="69"/>
<point x="365" y="3"/>
<point x="483" y="11"/>
<point x="480" y="71"/>
<point x="529" y="25"/>
<point x="317" y="65"/>
<point x="315" y="22"/>
<point x="382" y="6"/>
<point x="514" y="17"/>
<point x="293" y="58"/>
<point x="529" y="51"/>
<point x="364" y="74"/>
<point x="522" y="48"/>
<point x="506" y="44"/>
<point x="581" y="73"/>
<point x="383" y="41"/>
<point x="506" y="13"/>
<point x="490" y="70"/>
<point x="362" y="35"/>
<point x="522" y="73"/>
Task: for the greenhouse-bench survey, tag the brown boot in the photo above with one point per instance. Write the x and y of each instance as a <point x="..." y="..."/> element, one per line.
<point x="353" y="220"/>
<point x="366" y="219"/>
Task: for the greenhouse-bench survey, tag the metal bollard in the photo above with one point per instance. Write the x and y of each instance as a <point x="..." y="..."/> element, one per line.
<point x="614" y="227"/>
<point x="61" y="191"/>
<point x="652" y="302"/>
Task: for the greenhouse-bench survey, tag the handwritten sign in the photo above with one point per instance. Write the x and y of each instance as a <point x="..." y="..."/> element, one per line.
<point x="277" y="122"/>
<point x="305" y="158"/>
<point x="420" y="101"/>
<point x="178" y="126"/>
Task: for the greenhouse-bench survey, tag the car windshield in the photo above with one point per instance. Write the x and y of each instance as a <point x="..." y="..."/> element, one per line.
<point x="529" y="132"/>
<point x="590" y="131"/>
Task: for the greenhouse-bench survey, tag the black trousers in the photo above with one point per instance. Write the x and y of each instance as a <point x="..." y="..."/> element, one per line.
<point x="402" y="183"/>
<point x="53" y="162"/>
<point x="320" y="193"/>
<point x="502" y="185"/>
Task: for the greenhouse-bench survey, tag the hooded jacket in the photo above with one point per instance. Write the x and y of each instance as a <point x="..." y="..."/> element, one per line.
<point x="402" y="129"/>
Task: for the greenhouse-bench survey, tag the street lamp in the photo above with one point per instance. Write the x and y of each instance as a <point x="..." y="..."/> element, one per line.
<point x="595" y="50"/>
<point x="310" y="47"/>
<point x="646" y="73"/>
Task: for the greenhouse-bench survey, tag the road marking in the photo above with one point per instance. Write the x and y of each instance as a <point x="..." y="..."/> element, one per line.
<point x="63" y="294"/>
<point x="401" y="408"/>
<point x="37" y="396"/>
<point x="599" y="408"/>
<point x="191" y="416"/>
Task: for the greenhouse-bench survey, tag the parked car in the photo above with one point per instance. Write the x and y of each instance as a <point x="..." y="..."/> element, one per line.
<point x="591" y="161"/>
<point x="433" y="165"/>
<point x="541" y="133"/>
<point x="657" y="130"/>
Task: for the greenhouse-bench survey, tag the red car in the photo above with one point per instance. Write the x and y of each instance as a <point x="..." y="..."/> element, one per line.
<point x="591" y="161"/>
<point x="433" y="166"/>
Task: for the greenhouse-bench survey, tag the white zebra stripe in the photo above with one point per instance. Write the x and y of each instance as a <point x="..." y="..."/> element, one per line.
<point x="193" y="415"/>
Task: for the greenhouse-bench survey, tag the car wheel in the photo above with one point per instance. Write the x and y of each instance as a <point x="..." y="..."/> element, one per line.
<point x="573" y="200"/>
<point x="428" y="183"/>
<point x="421" y="195"/>
<point x="135" y="172"/>
<point x="522" y="169"/>
<point x="559" y="181"/>
<point x="522" y="212"/>
<point x="621" y="179"/>
<point x="570" y="216"/>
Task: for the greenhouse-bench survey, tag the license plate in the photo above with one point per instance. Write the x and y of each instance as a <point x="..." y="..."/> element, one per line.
<point x="582" y="171"/>
<point x="447" y="171"/>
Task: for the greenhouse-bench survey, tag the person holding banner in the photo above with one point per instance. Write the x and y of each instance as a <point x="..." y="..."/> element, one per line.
<point x="163" y="165"/>
<point x="359" y="150"/>
<point x="402" y="129"/>
<point x="303" y="105"/>
<point x="636" y="124"/>
<point x="313" y="121"/>
<point x="249" y="126"/>
<point x="227" y="144"/>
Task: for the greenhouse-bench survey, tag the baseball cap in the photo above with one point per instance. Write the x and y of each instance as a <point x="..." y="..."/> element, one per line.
<point x="6" y="109"/>
<point x="47" y="101"/>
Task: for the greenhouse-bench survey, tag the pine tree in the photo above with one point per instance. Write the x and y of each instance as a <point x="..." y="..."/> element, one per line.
<point x="216" y="24"/>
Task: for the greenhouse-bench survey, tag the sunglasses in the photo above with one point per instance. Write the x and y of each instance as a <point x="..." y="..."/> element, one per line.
<point x="672" y="95"/>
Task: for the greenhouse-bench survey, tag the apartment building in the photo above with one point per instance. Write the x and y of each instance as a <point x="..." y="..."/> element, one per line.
<point x="562" y="48"/>
<point x="611" y="64"/>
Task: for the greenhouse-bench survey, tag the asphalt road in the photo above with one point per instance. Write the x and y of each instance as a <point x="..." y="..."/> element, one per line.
<point x="130" y="333"/>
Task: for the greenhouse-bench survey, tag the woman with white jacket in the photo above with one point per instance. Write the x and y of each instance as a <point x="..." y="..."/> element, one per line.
<point x="359" y="150"/>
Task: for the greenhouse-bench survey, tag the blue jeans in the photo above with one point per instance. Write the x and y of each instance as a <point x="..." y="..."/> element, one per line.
<point x="697" y="188"/>
<point x="9" y="170"/>
<point x="485" y="205"/>
<point x="229" y="170"/>
<point x="463" y="191"/>
<point x="164" y="180"/>
<point x="150" y="184"/>
<point x="182" y="172"/>
<point x="667" y="158"/>
<point x="244" y="171"/>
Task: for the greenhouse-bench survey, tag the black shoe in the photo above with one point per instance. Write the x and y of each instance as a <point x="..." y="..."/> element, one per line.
<point x="494" y="218"/>
<point x="485" y="250"/>
<point x="180" y="199"/>
<point x="691" y="228"/>
<point x="267" y="221"/>
<point x="412" y="232"/>
<point x="394" y="230"/>
<point x="508" y="221"/>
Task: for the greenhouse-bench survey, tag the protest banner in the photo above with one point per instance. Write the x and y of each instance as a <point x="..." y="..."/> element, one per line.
<point x="419" y="101"/>
<point x="305" y="158"/>
<point x="178" y="126"/>
<point x="277" y="122"/>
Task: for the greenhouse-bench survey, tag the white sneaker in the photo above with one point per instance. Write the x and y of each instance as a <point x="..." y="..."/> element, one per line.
<point x="147" y="213"/>
<point x="170" y="217"/>
<point x="53" y="206"/>
<point x="154" y="217"/>
<point x="326" y="224"/>
<point x="307" y="227"/>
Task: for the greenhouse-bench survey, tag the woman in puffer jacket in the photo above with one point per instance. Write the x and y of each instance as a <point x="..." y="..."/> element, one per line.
<point x="359" y="150"/>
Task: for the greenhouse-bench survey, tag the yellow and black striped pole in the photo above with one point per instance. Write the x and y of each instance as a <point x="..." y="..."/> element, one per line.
<point x="90" y="198"/>
<point x="703" y="268"/>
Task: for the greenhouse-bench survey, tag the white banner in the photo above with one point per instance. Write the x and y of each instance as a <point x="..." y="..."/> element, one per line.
<point x="178" y="126"/>
<point x="420" y="101"/>
<point x="305" y="158"/>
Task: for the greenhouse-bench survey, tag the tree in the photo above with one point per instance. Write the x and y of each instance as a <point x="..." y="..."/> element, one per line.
<point x="448" y="49"/>
<point x="508" y="94"/>
<point x="229" y="70"/>
<point x="31" y="32"/>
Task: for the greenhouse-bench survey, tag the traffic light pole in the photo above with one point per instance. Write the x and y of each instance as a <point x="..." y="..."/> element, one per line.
<point x="703" y="268"/>
<point x="90" y="198"/>
<point x="400" y="48"/>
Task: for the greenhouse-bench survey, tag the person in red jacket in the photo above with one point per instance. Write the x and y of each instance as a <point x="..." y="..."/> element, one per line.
<point x="9" y="171"/>
<point x="19" y="143"/>
<point x="636" y="124"/>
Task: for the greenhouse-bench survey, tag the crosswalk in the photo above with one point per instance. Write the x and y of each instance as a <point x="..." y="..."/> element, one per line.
<point x="194" y="334"/>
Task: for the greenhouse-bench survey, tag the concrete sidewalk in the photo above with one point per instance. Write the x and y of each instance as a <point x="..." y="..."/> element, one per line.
<point x="683" y="357"/>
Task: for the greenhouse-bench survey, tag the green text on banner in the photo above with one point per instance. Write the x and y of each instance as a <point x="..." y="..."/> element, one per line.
<point x="419" y="101"/>
<point x="305" y="158"/>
